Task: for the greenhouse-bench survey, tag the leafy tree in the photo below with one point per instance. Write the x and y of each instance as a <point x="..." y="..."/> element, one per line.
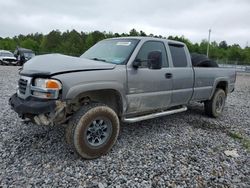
<point x="235" y="53"/>
<point x="30" y="44"/>
<point x="203" y="47"/>
<point x="75" y="43"/>
<point x="223" y="44"/>
<point x="133" y="32"/>
<point x="7" y="44"/>
<point x="143" y="34"/>
<point x="93" y="38"/>
<point x="72" y="43"/>
<point x="52" y="42"/>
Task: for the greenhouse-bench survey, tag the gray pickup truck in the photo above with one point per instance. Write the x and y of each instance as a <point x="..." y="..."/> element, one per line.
<point x="117" y="80"/>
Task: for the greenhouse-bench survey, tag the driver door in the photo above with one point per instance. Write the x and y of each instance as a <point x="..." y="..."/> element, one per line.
<point x="149" y="89"/>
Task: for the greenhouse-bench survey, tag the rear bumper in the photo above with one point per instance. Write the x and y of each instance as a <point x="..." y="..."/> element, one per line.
<point x="31" y="105"/>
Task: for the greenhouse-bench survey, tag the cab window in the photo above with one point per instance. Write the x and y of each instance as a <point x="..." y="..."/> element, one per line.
<point x="150" y="46"/>
<point x="178" y="55"/>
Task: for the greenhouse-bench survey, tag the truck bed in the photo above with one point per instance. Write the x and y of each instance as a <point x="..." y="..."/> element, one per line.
<point x="206" y="78"/>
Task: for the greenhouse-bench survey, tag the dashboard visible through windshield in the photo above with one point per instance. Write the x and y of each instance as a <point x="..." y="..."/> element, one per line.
<point x="116" y="51"/>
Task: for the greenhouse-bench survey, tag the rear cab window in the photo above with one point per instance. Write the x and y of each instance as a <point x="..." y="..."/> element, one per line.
<point x="178" y="55"/>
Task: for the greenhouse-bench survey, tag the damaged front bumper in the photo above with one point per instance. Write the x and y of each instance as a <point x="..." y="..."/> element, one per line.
<point x="31" y="105"/>
<point x="43" y="112"/>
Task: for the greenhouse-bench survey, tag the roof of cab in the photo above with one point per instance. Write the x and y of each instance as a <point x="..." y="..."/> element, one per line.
<point x="150" y="38"/>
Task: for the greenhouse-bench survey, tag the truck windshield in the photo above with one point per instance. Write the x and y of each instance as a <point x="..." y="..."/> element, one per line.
<point x="115" y="51"/>
<point x="28" y="55"/>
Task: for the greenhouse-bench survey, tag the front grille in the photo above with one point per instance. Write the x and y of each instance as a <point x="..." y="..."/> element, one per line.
<point x="22" y="84"/>
<point x="8" y="60"/>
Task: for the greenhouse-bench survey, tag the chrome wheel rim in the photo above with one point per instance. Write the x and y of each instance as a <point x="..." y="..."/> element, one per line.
<point x="219" y="103"/>
<point x="98" y="132"/>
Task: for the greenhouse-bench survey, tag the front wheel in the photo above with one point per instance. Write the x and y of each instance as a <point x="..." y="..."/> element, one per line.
<point x="93" y="130"/>
<point x="215" y="106"/>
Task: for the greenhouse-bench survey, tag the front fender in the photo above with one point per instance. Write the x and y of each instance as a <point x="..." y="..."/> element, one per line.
<point x="76" y="90"/>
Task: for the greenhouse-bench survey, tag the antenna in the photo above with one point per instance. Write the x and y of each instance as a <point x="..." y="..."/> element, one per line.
<point x="208" y="41"/>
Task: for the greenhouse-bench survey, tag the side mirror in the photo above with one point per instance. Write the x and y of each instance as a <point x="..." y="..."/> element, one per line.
<point x="155" y="60"/>
<point x="137" y="63"/>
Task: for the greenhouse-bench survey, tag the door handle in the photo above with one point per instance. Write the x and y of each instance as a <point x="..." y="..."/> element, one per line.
<point x="168" y="75"/>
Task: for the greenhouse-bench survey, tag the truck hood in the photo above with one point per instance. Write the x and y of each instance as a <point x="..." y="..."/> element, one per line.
<point x="51" y="64"/>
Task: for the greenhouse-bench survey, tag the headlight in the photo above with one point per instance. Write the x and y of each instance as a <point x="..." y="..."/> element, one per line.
<point x="47" y="83"/>
<point x="46" y="88"/>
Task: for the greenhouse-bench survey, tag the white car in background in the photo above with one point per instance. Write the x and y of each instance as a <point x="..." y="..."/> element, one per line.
<point x="7" y="58"/>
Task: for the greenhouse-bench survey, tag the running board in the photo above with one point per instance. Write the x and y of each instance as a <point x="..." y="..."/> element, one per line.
<point x="155" y="115"/>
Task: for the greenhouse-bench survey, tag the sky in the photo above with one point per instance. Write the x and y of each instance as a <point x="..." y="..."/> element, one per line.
<point x="228" y="19"/>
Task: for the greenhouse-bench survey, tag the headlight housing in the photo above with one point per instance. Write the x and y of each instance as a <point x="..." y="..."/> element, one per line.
<point x="46" y="88"/>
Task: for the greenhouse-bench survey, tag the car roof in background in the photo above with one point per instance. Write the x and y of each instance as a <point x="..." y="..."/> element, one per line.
<point x="24" y="50"/>
<point x="5" y="51"/>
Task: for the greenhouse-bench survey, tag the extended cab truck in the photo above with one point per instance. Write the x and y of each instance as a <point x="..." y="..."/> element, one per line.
<point x="117" y="80"/>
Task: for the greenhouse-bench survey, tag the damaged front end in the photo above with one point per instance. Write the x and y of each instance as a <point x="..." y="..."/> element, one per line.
<point x="39" y="111"/>
<point x="57" y="116"/>
<point x="38" y="99"/>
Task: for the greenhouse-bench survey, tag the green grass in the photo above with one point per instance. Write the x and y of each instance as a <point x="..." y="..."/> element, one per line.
<point x="246" y="144"/>
<point x="243" y="140"/>
<point x="235" y="135"/>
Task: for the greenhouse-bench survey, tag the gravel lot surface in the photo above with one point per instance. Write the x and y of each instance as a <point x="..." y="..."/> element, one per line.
<point x="182" y="150"/>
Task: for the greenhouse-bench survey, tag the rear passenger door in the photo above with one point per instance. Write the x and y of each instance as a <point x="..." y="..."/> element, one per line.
<point x="183" y="77"/>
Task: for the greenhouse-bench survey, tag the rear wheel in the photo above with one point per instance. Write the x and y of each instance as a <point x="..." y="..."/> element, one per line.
<point x="93" y="130"/>
<point x="215" y="106"/>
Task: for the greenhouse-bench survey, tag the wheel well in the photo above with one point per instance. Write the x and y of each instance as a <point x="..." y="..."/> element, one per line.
<point x="110" y="97"/>
<point x="222" y="85"/>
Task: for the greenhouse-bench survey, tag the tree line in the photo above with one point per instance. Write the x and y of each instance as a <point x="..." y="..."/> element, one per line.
<point x="75" y="43"/>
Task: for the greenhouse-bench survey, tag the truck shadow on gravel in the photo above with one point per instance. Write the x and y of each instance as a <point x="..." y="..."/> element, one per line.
<point x="194" y="118"/>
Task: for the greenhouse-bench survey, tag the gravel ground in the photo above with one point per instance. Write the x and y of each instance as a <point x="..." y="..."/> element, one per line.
<point x="181" y="150"/>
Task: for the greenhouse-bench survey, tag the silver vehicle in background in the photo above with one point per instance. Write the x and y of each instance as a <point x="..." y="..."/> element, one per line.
<point x="117" y="80"/>
<point x="7" y="58"/>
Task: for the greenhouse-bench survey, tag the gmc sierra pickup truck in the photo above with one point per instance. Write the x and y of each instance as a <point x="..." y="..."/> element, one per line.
<point x="117" y="80"/>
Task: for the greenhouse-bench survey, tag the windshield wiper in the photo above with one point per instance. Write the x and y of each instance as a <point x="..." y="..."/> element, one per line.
<point x="98" y="59"/>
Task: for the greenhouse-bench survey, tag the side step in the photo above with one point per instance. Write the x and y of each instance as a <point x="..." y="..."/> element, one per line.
<point x="155" y="115"/>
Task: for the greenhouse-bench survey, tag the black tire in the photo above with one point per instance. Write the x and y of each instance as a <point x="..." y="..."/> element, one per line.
<point x="93" y="130"/>
<point x="201" y="60"/>
<point x="208" y="63"/>
<point x="197" y="58"/>
<point x="215" y="106"/>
